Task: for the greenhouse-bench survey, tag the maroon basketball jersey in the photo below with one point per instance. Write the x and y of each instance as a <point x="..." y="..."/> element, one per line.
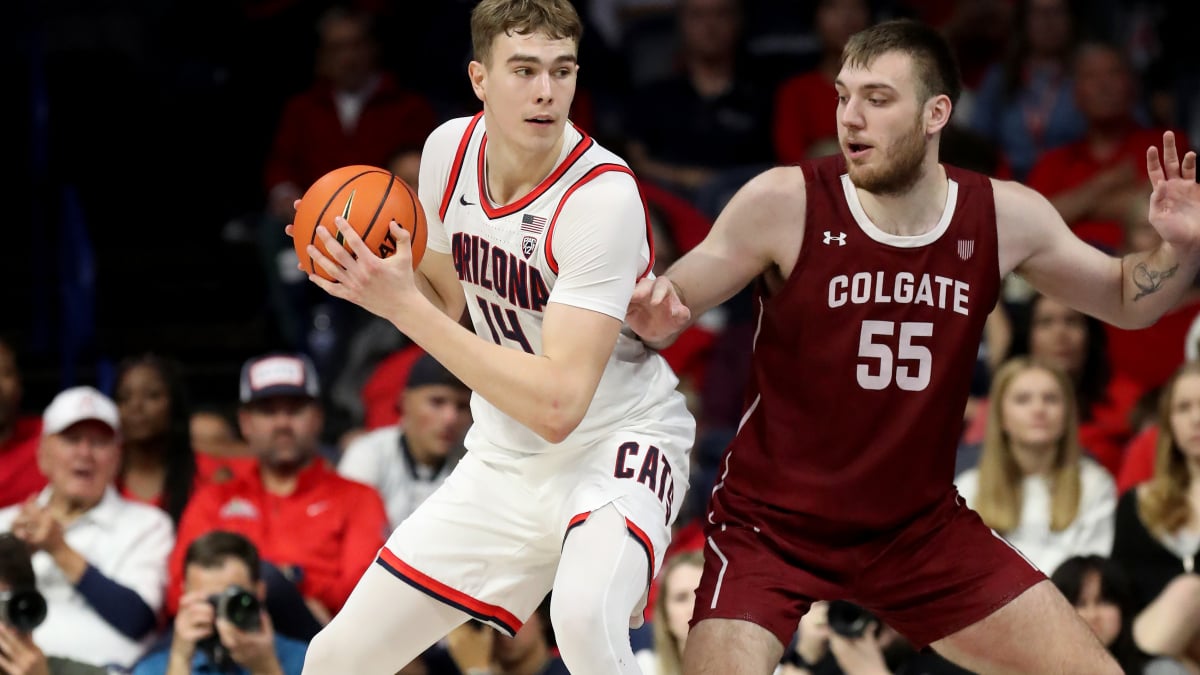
<point x="862" y="365"/>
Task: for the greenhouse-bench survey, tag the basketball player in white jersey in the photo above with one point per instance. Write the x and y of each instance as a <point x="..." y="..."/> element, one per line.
<point x="578" y="457"/>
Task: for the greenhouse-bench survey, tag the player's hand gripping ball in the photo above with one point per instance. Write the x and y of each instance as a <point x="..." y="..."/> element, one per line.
<point x="369" y="198"/>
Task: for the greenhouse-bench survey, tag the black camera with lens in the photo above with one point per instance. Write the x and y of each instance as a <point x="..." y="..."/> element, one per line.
<point x="239" y="607"/>
<point x="22" y="608"/>
<point x="848" y="619"/>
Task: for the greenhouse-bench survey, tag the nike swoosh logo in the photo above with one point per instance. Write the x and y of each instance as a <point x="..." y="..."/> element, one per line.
<point x="345" y="214"/>
<point x="462" y="199"/>
<point x="316" y="509"/>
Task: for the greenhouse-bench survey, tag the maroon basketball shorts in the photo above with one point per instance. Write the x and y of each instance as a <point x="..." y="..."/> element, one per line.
<point x="940" y="573"/>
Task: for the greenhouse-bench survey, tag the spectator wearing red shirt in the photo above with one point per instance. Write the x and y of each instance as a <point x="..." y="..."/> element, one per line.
<point x="1141" y="452"/>
<point x="354" y="113"/>
<point x="19" y="435"/>
<point x="1095" y="181"/>
<point x="806" y="104"/>
<point x="319" y="529"/>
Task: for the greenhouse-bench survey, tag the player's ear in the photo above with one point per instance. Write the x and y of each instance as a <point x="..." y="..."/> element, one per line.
<point x="477" y="72"/>
<point x="937" y="113"/>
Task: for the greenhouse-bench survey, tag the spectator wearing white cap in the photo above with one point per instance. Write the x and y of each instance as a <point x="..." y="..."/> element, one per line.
<point x="407" y="461"/>
<point x="100" y="560"/>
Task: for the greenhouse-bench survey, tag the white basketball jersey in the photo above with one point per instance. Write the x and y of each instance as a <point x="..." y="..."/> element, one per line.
<point x="580" y="238"/>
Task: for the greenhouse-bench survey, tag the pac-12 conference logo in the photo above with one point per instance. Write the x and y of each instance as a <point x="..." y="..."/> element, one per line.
<point x="528" y="244"/>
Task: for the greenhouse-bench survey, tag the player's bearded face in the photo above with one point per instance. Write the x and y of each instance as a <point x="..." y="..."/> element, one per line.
<point x="899" y="166"/>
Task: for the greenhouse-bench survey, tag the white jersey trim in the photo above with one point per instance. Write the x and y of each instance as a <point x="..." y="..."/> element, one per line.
<point x="898" y="240"/>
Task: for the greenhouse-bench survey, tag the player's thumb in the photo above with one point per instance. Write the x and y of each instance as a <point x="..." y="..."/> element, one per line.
<point x="662" y="288"/>
<point x="401" y="234"/>
<point x="642" y="291"/>
<point x="680" y="311"/>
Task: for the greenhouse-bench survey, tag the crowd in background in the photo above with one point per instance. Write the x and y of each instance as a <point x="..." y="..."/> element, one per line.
<point x="138" y="503"/>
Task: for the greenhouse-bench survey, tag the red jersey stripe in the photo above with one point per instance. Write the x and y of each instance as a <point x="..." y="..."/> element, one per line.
<point x="585" y="142"/>
<point x="590" y="175"/>
<point x="456" y="167"/>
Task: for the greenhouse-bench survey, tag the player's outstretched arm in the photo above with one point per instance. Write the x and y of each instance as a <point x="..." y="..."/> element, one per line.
<point x="1129" y="292"/>
<point x="760" y="224"/>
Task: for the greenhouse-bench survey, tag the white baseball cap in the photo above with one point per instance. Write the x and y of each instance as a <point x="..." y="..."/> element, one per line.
<point x="76" y="405"/>
<point x="278" y="374"/>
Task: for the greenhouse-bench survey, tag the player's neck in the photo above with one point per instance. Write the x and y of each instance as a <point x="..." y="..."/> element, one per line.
<point x="915" y="211"/>
<point x="512" y="173"/>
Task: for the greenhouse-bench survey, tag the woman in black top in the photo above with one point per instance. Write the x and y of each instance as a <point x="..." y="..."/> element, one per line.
<point x="1158" y="528"/>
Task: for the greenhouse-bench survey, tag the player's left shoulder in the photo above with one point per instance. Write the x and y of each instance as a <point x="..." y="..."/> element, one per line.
<point x="1018" y="204"/>
<point x="604" y="185"/>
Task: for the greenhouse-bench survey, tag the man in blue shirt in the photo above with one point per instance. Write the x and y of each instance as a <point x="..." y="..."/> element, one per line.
<point x="206" y="637"/>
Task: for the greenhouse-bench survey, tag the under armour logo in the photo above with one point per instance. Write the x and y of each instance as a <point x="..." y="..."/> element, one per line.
<point x="840" y="238"/>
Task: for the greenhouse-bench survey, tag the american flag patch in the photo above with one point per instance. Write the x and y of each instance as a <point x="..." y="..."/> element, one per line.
<point x="532" y="223"/>
<point x="966" y="247"/>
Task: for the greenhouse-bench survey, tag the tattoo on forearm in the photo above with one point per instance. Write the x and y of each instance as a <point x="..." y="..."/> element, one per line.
<point x="1149" y="281"/>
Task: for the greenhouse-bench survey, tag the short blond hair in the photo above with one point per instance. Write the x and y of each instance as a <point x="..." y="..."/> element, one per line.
<point x="557" y="19"/>
<point x="933" y="61"/>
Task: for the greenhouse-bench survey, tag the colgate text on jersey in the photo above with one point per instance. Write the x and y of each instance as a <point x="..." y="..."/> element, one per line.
<point x="480" y="262"/>
<point x="902" y="288"/>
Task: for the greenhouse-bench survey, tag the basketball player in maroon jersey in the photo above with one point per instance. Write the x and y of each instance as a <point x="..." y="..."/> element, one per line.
<point x="876" y="270"/>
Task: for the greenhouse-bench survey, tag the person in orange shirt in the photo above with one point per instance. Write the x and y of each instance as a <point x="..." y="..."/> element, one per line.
<point x="320" y="531"/>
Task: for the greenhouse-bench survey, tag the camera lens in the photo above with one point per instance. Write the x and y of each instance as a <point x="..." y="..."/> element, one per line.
<point x="848" y="619"/>
<point x="23" y="609"/>
<point x="239" y="607"/>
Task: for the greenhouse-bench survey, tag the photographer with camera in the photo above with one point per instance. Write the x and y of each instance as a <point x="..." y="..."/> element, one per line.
<point x="842" y="638"/>
<point x="22" y="608"/>
<point x="221" y="626"/>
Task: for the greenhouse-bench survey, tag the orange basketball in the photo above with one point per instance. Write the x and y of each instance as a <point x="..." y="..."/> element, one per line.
<point x="369" y="198"/>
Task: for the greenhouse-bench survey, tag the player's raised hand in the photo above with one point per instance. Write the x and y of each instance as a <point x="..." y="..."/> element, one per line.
<point x="381" y="286"/>
<point x="656" y="312"/>
<point x="1175" y="202"/>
